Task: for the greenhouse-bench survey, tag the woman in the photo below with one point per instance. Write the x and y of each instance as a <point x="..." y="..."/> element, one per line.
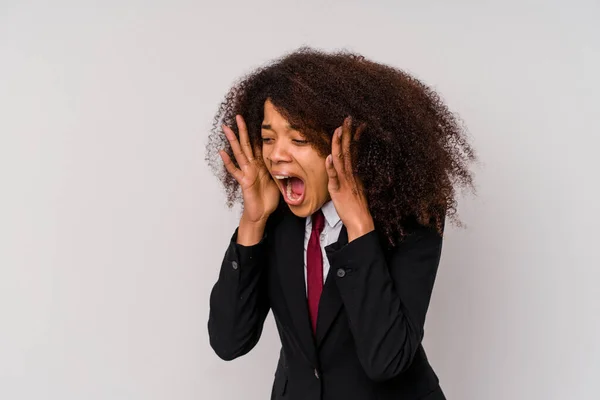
<point x="347" y="170"/>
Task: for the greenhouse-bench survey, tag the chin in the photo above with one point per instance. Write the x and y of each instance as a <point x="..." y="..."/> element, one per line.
<point x="301" y="210"/>
<point x="306" y="208"/>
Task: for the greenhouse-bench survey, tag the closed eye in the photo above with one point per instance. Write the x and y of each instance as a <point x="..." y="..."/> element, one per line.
<point x="267" y="140"/>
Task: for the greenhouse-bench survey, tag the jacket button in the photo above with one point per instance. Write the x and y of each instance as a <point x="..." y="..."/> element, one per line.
<point x="234" y="264"/>
<point x="316" y="374"/>
<point x="341" y="273"/>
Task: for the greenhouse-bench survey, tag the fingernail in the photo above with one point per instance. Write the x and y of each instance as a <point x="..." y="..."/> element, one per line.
<point x="339" y="132"/>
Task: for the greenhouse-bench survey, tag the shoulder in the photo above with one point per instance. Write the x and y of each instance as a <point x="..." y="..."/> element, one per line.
<point x="415" y="235"/>
<point x="277" y="215"/>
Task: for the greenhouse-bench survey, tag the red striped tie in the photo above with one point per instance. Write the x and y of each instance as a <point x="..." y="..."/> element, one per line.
<point x="314" y="267"/>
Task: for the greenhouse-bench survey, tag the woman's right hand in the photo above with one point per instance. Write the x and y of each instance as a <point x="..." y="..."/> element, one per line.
<point x="259" y="190"/>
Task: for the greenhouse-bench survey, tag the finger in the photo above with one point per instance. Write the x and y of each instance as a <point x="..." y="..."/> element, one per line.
<point x="336" y="151"/>
<point x="360" y="130"/>
<point x="244" y="137"/>
<point x="230" y="166"/>
<point x="346" y="136"/>
<point x="235" y="146"/>
<point x="258" y="153"/>
<point x="333" y="183"/>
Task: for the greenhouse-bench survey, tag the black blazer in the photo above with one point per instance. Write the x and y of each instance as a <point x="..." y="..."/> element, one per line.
<point x="371" y="313"/>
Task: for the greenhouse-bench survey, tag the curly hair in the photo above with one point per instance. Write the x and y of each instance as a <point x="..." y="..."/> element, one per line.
<point x="411" y="157"/>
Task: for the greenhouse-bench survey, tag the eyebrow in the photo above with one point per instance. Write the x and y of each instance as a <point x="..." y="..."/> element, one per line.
<point x="287" y="127"/>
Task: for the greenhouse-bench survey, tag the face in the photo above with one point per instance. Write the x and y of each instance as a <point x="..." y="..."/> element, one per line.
<point x="297" y="168"/>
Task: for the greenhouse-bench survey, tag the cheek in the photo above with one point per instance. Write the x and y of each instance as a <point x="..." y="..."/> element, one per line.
<point x="265" y="155"/>
<point x="313" y="165"/>
<point x="318" y="176"/>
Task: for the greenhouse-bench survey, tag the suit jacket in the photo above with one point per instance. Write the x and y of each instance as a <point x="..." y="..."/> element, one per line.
<point x="370" y="320"/>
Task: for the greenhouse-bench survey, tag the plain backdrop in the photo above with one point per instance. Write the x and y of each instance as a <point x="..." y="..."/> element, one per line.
<point x="112" y="227"/>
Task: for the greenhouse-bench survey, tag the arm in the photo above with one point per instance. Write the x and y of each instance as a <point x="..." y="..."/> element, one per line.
<point x="386" y="303"/>
<point x="239" y="301"/>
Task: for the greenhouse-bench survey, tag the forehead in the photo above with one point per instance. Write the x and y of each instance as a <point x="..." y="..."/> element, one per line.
<point x="273" y="120"/>
<point x="270" y="112"/>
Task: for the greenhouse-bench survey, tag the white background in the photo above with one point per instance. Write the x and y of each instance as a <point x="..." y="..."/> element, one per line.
<point x="112" y="228"/>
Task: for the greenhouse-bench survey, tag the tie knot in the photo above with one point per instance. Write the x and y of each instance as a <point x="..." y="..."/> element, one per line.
<point x="318" y="221"/>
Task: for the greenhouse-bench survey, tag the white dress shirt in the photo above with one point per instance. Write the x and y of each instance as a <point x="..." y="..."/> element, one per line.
<point x="331" y="232"/>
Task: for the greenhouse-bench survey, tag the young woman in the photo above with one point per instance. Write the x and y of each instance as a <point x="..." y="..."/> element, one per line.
<point x="347" y="170"/>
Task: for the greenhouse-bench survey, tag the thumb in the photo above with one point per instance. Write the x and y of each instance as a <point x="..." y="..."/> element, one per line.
<point x="334" y="182"/>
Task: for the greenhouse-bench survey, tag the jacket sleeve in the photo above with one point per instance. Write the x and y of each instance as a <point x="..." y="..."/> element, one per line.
<point x="239" y="300"/>
<point x="386" y="301"/>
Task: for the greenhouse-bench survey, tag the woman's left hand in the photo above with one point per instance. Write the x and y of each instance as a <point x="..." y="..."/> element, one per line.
<point x="344" y="187"/>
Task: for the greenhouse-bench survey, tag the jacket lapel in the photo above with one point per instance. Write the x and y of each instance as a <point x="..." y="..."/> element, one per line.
<point x="290" y="265"/>
<point x="330" y="303"/>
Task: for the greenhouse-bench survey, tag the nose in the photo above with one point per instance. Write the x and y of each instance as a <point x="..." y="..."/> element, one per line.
<point x="279" y="153"/>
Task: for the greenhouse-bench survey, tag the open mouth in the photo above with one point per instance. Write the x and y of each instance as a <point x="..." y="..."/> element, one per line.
<point x="292" y="188"/>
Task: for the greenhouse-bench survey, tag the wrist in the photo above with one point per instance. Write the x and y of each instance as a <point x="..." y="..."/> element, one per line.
<point x="360" y="228"/>
<point x="260" y="223"/>
<point x="250" y="232"/>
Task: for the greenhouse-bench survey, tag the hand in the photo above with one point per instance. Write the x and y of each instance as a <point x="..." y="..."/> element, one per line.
<point x="344" y="187"/>
<point x="259" y="190"/>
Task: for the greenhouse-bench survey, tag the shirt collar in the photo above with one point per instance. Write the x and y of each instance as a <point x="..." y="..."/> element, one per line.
<point x="331" y="215"/>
